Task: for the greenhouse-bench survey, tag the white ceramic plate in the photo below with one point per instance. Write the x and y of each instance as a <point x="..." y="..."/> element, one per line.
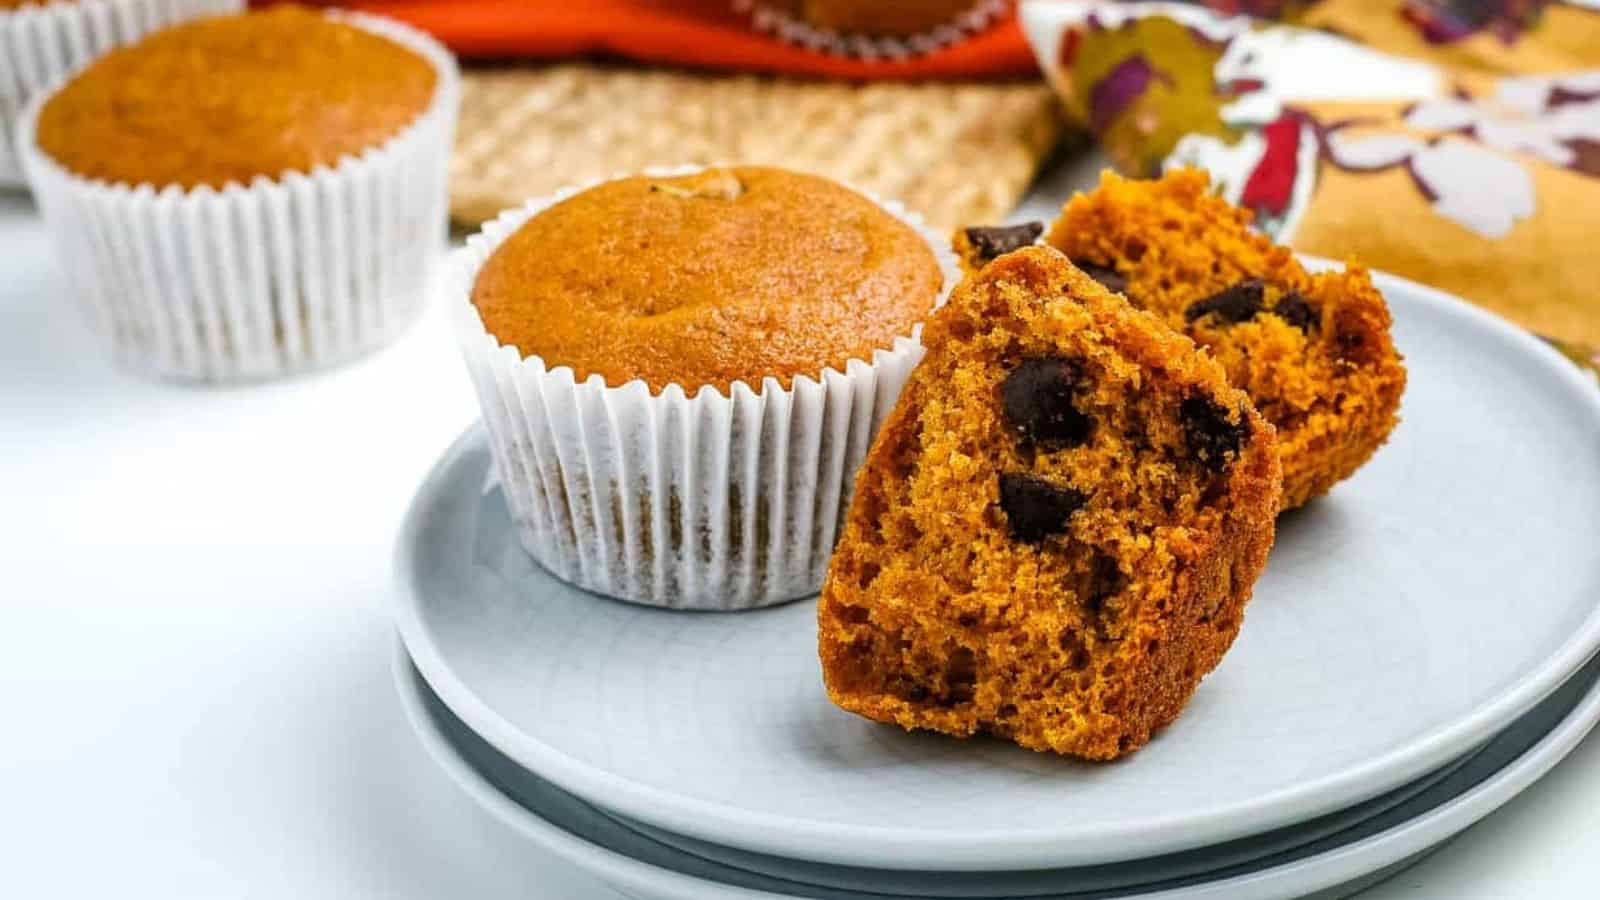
<point x="1333" y="866"/>
<point x="1421" y="607"/>
<point x="1125" y="875"/>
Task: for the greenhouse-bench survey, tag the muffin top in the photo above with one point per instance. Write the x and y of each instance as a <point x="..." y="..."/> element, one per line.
<point x="229" y="98"/>
<point x="707" y="279"/>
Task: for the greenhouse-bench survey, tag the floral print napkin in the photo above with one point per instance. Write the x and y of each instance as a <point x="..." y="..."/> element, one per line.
<point x="1455" y="142"/>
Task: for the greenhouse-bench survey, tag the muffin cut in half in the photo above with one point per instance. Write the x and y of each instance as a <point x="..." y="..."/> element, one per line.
<point x="1056" y="531"/>
<point x="1313" y="351"/>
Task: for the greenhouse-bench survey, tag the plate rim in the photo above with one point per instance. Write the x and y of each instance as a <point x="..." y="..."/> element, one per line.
<point x="1409" y="840"/>
<point x="911" y="848"/>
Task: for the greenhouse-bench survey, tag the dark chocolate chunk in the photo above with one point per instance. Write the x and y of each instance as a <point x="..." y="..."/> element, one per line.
<point x="1297" y="311"/>
<point x="961" y="676"/>
<point x="1105" y="581"/>
<point x="1037" y="397"/>
<point x="1351" y="344"/>
<point x="1109" y="278"/>
<point x="998" y="240"/>
<point x="1212" y="437"/>
<point x="1239" y="303"/>
<point x="907" y="689"/>
<point x="1035" y="507"/>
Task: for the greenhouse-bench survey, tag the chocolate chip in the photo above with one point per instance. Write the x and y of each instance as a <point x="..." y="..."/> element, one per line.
<point x="961" y="676"/>
<point x="910" y="690"/>
<point x="1036" y="508"/>
<point x="1105" y="581"/>
<point x="1109" y="278"/>
<point x="999" y="240"/>
<point x="1037" y="398"/>
<point x="1297" y="311"/>
<point x="1212" y="437"/>
<point x="1239" y="303"/>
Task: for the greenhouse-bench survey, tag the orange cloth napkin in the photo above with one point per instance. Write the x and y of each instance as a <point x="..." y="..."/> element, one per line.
<point x="700" y="33"/>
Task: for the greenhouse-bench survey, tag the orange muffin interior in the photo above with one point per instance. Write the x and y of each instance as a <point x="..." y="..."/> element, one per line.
<point x="727" y="275"/>
<point x="1313" y="351"/>
<point x="1056" y="531"/>
<point x="230" y="98"/>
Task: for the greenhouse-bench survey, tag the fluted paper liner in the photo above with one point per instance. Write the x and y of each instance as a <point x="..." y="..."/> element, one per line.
<point x="713" y="502"/>
<point x="801" y="33"/>
<point x="281" y="276"/>
<point x="41" y="44"/>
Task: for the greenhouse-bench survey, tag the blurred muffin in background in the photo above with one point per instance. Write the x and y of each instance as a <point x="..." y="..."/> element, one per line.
<point x="230" y="98"/>
<point x="873" y="30"/>
<point x="875" y="17"/>
<point x="249" y="195"/>
<point x="41" y="41"/>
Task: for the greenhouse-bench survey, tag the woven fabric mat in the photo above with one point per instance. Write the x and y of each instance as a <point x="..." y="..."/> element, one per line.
<point x="958" y="154"/>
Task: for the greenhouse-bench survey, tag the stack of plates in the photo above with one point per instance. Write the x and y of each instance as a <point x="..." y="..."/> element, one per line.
<point x="1416" y="654"/>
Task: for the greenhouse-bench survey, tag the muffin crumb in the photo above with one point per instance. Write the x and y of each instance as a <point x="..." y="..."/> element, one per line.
<point x="1056" y="531"/>
<point x="1313" y="351"/>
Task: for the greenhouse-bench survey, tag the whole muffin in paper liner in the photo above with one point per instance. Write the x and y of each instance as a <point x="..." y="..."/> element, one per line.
<point x="680" y="373"/>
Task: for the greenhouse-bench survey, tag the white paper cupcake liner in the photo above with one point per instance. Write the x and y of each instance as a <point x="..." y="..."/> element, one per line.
<point x="871" y="48"/>
<point x="40" y="45"/>
<point x="284" y="275"/>
<point x="707" y="502"/>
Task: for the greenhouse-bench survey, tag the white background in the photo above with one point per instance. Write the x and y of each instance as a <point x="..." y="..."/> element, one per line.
<point x="195" y="696"/>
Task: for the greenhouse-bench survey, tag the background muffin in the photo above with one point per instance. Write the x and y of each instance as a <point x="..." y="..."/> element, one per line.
<point x="227" y="99"/>
<point x="249" y="195"/>
<point x="876" y="30"/>
<point x="875" y="17"/>
<point x="41" y="41"/>
<point x="681" y="371"/>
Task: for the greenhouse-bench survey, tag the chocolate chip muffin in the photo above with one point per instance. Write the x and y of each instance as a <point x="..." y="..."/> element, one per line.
<point x="1056" y="532"/>
<point x="1313" y="351"/>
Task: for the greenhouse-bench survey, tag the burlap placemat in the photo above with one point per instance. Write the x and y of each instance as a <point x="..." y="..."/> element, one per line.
<point x="956" y="153"/>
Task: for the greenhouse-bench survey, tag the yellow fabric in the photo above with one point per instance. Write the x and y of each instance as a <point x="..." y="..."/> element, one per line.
<point x="1563" y="39"/>
<point x="1542" y="274"/>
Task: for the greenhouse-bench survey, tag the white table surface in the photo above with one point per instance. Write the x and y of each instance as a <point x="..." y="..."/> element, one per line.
<point x="194" y="644"/>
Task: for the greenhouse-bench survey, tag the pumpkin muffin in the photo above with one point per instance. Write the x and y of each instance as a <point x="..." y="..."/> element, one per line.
<point x="878" y="18"/>
<point x="726" y="275"/>
<point x="42" y="41"/>
<point x="225" y="99"/>
<point x="267" y="189"/>
<point x="1058" y="527"/>
<point x="681" y="372"/>
<point x="1313" y="351"/>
